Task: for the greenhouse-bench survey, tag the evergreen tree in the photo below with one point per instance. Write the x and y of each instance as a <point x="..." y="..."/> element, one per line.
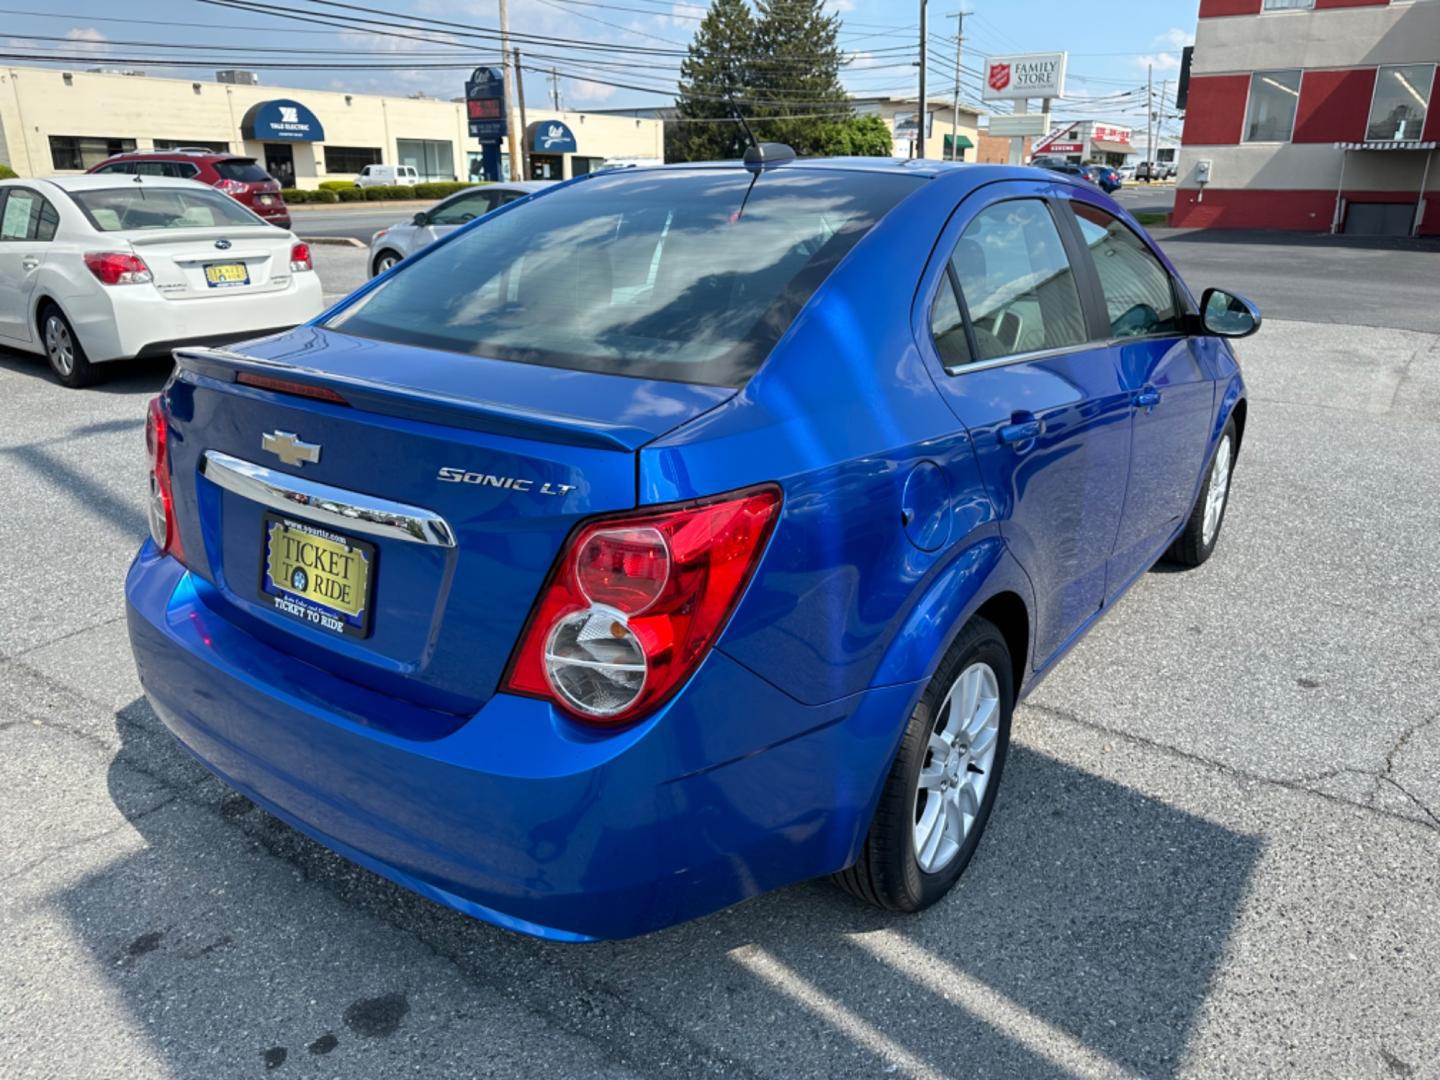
<point x="718" y="64"/>
<point x="795" y="75"/>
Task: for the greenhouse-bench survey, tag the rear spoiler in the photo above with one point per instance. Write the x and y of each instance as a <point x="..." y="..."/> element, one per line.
<point x="392" y="399"/>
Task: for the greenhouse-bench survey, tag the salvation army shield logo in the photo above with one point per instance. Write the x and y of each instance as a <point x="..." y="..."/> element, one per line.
<point x="999" y="76"/>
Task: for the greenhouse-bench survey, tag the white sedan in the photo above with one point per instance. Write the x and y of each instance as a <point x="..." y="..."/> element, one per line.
<point x="396" y="242"/>
<point x="98" y="268"/>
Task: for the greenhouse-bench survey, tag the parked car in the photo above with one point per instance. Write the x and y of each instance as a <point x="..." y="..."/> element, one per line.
<point x="1070" y="168"/>
<point x="1154" y="170"/>
<point x="395" y="242"/>
<point x="392" y="175"/>
<point x="1107" y="178"/>
<point x="237" y="176"/>
<point x="683" y="533"/>
<point x="1127" y="172"/>
<point x="100" y="268"/>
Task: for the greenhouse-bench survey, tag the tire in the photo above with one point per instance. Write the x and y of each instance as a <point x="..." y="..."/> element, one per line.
<point x="384" y="261"/>
<point x="897" y="869"/>
<point x="1197" y="541"/>
<point x="63" y="349"/>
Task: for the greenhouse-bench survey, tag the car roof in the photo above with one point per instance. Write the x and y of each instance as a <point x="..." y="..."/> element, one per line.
<point x="178" y="152"/>
<point x="99" y="182"/>
<point x="524" y="185"/>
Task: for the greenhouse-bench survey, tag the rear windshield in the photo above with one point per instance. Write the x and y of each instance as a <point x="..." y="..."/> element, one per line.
<point x="689" y="275"/>
<point x="137" y="206"/>
<point x="241" y="169"/>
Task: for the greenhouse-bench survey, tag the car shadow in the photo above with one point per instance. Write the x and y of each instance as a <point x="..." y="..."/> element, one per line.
<point x="1085" y="937"/>
<point x="117" y="377"/>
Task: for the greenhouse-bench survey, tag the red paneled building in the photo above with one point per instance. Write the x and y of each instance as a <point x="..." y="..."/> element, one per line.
<point x="1313" y="115"/>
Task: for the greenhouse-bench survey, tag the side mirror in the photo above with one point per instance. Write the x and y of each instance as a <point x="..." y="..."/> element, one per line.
<point x="1227" y="315"/>
<point x="420" y="219"/>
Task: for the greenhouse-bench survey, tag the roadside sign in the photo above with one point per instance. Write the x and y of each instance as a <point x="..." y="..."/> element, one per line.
<point x="1018" y="126"/>
<point x="1024" y="75"/>
<point x="485" y="104"/>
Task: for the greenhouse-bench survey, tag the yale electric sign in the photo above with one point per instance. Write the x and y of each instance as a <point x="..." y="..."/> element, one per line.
<point x="1028" y="75"/>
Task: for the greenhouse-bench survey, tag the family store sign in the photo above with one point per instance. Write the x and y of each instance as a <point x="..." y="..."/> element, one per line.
<point x="1028" y="75"/>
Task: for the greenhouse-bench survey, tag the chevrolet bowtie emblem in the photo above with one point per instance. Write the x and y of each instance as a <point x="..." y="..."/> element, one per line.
<point x="288" y="447"/>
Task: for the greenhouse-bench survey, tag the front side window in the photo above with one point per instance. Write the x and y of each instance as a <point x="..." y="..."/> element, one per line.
<point x="690" y="275"/>
<point x="1017" y="281"/>
<point x="1402" y="98"/>
<point x="466" y="208"/>
<point x="1139" y="298"/>
<point x="1270" y="116"/>
<point x="27" y="215"/>
<point x="139" y="207"/>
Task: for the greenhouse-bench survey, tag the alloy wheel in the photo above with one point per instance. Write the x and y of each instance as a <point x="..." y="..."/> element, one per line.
<point x="58" y="345"/>
<point x="1218" y="490"/>
<point x="958" y="763"/>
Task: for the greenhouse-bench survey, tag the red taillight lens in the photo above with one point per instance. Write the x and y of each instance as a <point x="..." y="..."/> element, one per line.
<point x="160" y="506"/>
<point x="232" y="187"/>
<point x="117" y="267"/>
<point x="300" y="257"/>
<point x="634" y="604"/>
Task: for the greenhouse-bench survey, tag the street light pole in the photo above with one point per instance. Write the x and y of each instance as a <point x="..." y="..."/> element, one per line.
<point x="959" y="18"/>
<point x="924" y="39"/>
<point x="520" y="94"/>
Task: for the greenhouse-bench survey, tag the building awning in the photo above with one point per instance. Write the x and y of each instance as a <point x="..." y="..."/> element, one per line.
<point x="550" y="137"/>
<point x="1105" y="146"/>
<point x="281" y="120"/>
<point x="1389" y="144"/>
<point x="962" y="141"/>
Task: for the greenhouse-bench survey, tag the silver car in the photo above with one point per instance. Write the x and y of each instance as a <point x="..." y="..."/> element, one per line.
<point x="391" y="244"/>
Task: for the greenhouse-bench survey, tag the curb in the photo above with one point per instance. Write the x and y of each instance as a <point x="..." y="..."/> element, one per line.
<point x="339" y="241"/>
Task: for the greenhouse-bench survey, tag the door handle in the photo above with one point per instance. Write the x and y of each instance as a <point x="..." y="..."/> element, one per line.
<point x="29" y="262"/>
<point x="1147" y="398"/>
<point x="1022" y="431"/>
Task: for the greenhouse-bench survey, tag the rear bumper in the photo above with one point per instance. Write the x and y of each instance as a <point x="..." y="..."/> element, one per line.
<point x="136" y="320"/>
<point x="517" y="816"/>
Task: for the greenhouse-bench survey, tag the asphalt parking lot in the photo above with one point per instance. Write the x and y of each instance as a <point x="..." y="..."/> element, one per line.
<point x="1217" y="852"/>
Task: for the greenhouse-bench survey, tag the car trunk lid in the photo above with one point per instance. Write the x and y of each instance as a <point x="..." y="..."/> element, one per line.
<point x="214" y="261"/>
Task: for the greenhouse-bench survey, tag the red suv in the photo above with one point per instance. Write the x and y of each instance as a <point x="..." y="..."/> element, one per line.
<point x="237" y="176"/>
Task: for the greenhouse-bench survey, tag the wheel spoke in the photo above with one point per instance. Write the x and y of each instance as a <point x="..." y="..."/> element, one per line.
<point x="954" y="819"/>
<point x="930" y="831"/>
<point x="932" y="774"/>
<point x="984" y="720"/>
<point x="939" y="747"/>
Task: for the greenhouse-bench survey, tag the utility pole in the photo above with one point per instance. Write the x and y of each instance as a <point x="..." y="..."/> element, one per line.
<point x="1160" y="115"/>
<point x="524" y="124"/>
<point x="555" y="89"/>
<point x="924" y="40"/>
<point x="1149" y="121"/>
<point x="509" y="89"/>
<point x="959" y="18"/>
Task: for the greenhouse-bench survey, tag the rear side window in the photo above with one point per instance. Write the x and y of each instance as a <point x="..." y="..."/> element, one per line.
<point x="139" y="207"/>
<point x="242" y="169"/>
<point x="1139" y="296"/>
<point x="466" y="208"/>
<point x="27" y="215"/>
<point x="690" y="275"/>
<point x="1017" y="281"/>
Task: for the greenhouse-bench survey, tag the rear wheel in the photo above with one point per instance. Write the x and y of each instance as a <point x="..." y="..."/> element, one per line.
<point x="64" y="351"/>
<point x="1202" y="531"/>
<point x="384" y="261"/>
<point x="943" y="783"/>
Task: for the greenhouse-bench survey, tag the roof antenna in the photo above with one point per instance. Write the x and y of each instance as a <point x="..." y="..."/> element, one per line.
<point x="758" y="155"/>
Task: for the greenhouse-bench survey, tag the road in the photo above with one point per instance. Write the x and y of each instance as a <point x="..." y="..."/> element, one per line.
<point x="1217" y="852"/>
<point x="360" y="223"/>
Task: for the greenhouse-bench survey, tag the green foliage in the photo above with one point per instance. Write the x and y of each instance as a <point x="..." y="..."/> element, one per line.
<point x="351" y="194"/>
<point x="7" y="173"/>
<point x="337" y="185"/>
<point x="336" y="191"/>
<point x="782" y="65"/>
<point x="718" y="65"/>
<point x="438" y="189"/>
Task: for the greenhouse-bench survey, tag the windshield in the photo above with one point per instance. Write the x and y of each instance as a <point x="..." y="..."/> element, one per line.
<point x="137" y="206"/>
<point x="690" y="275"/>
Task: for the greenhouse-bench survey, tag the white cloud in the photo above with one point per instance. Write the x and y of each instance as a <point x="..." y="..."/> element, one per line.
<point x="840" y="7"/>
<point x="583" y="90"/>
<point x="88" y="39"/>
<point x="1168" y="58"/>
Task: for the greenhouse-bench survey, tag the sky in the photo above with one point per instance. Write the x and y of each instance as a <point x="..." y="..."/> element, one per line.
<point x="1111" y="46"/>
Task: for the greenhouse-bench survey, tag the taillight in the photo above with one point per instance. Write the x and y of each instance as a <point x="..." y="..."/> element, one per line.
<point x="635" y="602"/>
<point x="300" y="257"/>
<point x="160" y="507"/>
<point x="232" y="187"/>
<point x="118" y="267"/>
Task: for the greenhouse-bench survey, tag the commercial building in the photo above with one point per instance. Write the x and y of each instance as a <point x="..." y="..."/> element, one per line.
<point x="901" y="116"/>
<point x="1313" y="115"/>
<point x="1087" y="140"/>
<point x="54" y="121"/>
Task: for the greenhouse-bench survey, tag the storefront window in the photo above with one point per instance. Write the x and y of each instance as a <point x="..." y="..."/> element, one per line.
<point x="1288" y="5"/>
<point x="82" y="151"/>
<point x="350" y="159"/>
<point x="430" y="158"/>
<point x="1271" y="114"/>
<point x="1402" y="97"/>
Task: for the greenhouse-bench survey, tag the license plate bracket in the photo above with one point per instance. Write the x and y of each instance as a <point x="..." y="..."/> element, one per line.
<point x="322" y="578"/>
<point x="226" y="275"/>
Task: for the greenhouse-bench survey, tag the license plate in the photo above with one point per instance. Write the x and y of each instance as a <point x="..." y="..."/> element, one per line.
<point x="318" y="576"/>
<point x="226" y="275"/>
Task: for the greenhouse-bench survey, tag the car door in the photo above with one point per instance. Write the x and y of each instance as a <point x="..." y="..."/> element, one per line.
<point x="1172" y="387"/>
<point x="27" y="225"/>
<point x="1026" y="369"/>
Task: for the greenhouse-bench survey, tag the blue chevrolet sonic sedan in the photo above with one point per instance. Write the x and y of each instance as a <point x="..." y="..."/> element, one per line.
<point x="680" y="533"/>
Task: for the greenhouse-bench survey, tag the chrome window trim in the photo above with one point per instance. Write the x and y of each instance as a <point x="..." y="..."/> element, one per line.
<point x="348" y="511"/>
<point x="1021" y="358"/>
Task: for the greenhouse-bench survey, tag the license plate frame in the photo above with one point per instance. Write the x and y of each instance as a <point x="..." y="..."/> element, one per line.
<point x="354" y="619"/>
<point x="230" y="275"/>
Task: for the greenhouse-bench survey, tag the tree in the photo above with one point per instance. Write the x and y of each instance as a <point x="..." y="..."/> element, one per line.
<point x="854" y="136"/>
<point x="717" y="65"/>
<point x="794" y="88"/>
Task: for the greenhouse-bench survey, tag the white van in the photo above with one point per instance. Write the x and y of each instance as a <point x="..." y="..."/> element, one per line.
<point x="375" y="175"/>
